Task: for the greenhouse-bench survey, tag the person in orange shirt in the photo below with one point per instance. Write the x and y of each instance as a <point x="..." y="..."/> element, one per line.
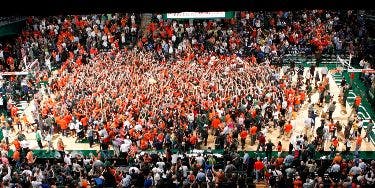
<point x="243" y="136"/>
<point x="297" y="103"/>
<point x="358" y="142"/>
<point x="24" y="121"/>
<point x="288" y="129"/>
<point x="356" y="104"/>
<point x="332" y="128"/>
<point x="258" y="167"/>
<point x="17" y="121"/>
<point x="147" y="136"/>
<point x="17" y="144"/>
<point x="193" y="141"/>
<point x="215" y="124"/>
<point x="17" y="157"/>
<point x="144" y="144"/>
<point x="335" y="143"/>
<point x="84" y="121"/>
<point x="13" y="111"/>
<point x="279" y="147"/>
<point x="253" y="133"/>
<point x="302" y="96"/>
<point x="63" y="126"/>
<point x="333" y="147"/>
<point x="84" y="183"/>
<point x="297" y="183"/>
<point x="337" y="159"/>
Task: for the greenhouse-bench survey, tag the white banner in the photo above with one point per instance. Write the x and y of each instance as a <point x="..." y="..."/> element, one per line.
<point x="13" y="73"/>
<point x="362" y="70"/>
<point x="196" y="15"/>
<point x="368" y="71"/>
<point x="355" y="70"/>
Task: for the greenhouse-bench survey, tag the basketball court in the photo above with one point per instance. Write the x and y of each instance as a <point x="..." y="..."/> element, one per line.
<point x="297" y="122"/>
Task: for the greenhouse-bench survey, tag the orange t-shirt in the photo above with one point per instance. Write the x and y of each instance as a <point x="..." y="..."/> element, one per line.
<point x="17" y="144"/>
<point x="215" y="123"/>
<point x="357" y="101"/>
<point x="302" y="96"/>
<point x="359" y="140"/>
<point x="161" y="137"/>
<point x="288" y="127"/>
<point x="193" y="140"/>
<point x="253" y="130"/>
<point x="258" y="165"/>
<point x="335" y="143"/>
<point x="279" y="148"/>
<point x="144" y="144"/>
<point x="84" y="121"/>
<point x="16" y="155"/>
<point x="63" y="124"/>
<point x="243" y="134"/>
<point x="147" y="136"/>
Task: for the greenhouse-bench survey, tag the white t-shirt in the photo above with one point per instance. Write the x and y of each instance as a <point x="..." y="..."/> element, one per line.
<point x="6" y="133"/>
<point x="77" y="127"/>
<point x="36" y="184"/>
<point x="174" y="158"/>
<point x="275" y="115"/>
<point x="67" y="160"/>
<point x="199" y="160"/>
<point x="72" y="126"/>
<point x="160" y="164"/>
<point x="135" y="169"/>
<point x="184" y="171"/>
<point x="126" y="145"/>
<point x="324" y="70"/>
<point x="284" y="104"/>
<point x="27" y="172"/>
<point x="308" y="122"/>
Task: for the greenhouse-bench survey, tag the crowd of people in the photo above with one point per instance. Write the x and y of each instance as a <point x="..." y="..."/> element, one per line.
<point x="173" y="85"/>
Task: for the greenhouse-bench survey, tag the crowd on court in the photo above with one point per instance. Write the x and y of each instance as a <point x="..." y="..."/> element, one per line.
<point x="172" y="86"/>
